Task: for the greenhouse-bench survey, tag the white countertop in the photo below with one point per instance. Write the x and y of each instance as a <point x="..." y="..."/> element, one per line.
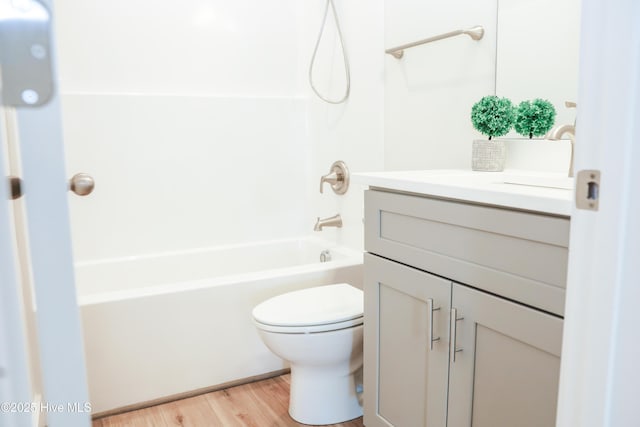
<point x="478" y="187"/>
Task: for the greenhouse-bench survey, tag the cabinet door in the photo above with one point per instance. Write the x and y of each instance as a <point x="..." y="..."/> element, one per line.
<point x="405" y="373"/>
<point x="507" y="368"/>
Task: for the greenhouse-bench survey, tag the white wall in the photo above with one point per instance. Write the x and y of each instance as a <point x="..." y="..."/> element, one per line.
<point x="198" y="124"/>
<point x="182" y="47"/>
<point x="529" y="50"/>
<point x="182" y="172"/>
<point x="430" y="91"/>
<point x="188" y="115"/>
<point x="538" y="44"/>
<point x="353" y="131"/>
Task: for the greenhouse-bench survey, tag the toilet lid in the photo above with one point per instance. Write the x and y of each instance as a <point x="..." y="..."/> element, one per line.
<point x="313" y="306"/>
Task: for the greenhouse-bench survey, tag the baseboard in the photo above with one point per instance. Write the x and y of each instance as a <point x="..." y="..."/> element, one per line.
<point x="187" y="394"/>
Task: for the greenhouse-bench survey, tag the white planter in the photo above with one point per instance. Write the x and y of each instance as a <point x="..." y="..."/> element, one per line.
<point x="488" y="155"/>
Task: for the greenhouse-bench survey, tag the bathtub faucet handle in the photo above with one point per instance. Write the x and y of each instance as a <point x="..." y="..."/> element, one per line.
<point x="338" y="177"/>
<point x="331" y="178"/>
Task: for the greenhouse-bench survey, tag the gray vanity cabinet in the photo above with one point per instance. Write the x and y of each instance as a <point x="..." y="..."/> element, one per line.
<point x="406" y="352"/>
<point x="442" y="353"/>
<point x="507" y="367"/>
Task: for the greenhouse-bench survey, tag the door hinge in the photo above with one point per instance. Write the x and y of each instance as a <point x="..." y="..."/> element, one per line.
<point x="15" y="187"/>
<point x="25" y="53"/>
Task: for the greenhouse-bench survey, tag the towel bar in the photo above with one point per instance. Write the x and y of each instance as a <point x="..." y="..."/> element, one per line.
<point x="476" y="33"/>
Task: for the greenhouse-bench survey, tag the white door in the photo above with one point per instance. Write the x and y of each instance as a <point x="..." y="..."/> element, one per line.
<point x="15" y="388"/>
<point x="601" y="349"/>
<point x="27" y="59"/>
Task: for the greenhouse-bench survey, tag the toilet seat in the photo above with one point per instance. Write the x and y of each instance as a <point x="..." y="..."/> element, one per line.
<point x="318" y="309"/>
<point x="310" y="329"/>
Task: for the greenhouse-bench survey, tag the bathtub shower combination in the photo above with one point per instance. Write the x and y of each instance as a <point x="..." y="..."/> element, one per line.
<point x="180" y="322"/>
<point x="206" y="176"/>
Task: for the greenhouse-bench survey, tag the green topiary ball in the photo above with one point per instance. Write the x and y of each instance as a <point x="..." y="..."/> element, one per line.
<point x="534" y="118"/>
<point x="492" y="116"/>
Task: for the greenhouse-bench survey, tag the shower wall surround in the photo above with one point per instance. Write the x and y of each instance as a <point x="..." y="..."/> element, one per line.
<point x="192" y="47"/>
<point x="184" y="172"/>
<point x="197" y="123"/>
<point x="353" y="131"/>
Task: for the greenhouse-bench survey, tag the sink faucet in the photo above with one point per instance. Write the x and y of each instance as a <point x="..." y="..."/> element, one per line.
<point x="332" y="221"/>
<point x="558" y="131"/>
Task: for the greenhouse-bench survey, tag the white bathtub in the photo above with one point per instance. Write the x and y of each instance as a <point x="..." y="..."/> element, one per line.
<point x="158" y="326"/>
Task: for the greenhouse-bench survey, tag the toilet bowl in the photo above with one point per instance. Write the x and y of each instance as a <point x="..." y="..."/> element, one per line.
<point x="319" y="331"/>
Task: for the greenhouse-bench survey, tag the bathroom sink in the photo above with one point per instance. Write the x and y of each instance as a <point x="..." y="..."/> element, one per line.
<point x="533" y="179"/>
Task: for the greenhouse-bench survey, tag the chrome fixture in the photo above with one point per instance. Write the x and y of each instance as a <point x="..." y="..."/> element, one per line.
<point x="82" y="184"/>
<point x="476" y="33"/>
<point x="453" y="326"/>
<point x="325" y="256"/>
<point x="338" y="177"/>
<point x="558" y="131"/>
<point x="333" y="221"/>
<point x="430" y="310"/>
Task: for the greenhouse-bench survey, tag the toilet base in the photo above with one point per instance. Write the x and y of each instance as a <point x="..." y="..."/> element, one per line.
<point x="319" y="396"/>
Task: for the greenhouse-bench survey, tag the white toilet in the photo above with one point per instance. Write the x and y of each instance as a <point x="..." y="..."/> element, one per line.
<point x="319" y="331"/>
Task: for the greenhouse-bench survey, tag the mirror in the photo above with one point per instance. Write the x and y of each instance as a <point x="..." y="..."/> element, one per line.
<point x="537" y="53"/>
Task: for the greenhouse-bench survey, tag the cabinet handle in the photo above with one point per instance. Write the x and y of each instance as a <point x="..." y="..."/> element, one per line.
<point x="452" y="342"/>
<point x="431" y="309"/>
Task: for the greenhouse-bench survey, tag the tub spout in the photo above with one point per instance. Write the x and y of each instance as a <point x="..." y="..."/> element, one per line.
<point x="333" y="221"/>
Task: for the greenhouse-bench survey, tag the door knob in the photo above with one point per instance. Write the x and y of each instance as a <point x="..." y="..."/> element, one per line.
<point x="82" y="184"/>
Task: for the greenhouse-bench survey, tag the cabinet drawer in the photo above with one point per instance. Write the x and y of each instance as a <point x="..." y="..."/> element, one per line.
<point x="518" y="255"/>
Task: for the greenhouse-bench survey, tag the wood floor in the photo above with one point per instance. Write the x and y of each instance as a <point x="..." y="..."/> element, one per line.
<point x="259" y="404"/>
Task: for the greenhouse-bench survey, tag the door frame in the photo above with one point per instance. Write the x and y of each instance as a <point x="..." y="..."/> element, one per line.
<point x="37" y="136"/>
<point x="15" y="382"/>
<point x="599" y="375"/>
